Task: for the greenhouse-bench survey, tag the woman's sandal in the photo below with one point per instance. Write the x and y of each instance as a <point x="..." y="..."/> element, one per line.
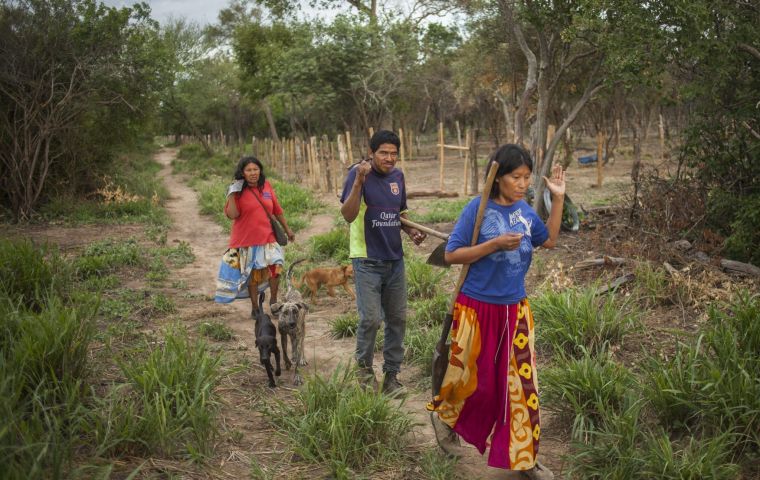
<point x="447" y="438"/>
<point x="538" y="472"/>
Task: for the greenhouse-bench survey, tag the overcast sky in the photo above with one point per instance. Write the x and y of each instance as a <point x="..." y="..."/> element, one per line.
<point x="198" y="11"/>
<point x="206" y="11"/>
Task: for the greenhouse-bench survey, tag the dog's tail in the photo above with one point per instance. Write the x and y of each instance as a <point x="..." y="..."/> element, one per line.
<point x="290" y="272"/>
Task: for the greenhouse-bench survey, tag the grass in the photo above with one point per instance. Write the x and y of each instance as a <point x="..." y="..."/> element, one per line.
<point x="345" y="325"/>
<point x="575" y="321"/>
<point x="28" y="273"/>
<point x="423" y="280"/>
<point x="696" y="417"/>
<point x="211" y="175"/>
<point x="430" y="312"/>
<point x="216" y="330"/>
<point x="583" y="389"/>
<point x="105" y="256"/>
<point x="174" y="399"/>
<point x="132" y="191"/>
<point x="442" y="211"/>
<point x="335" y="423"/>
<point x="332" y="245"/>
<point x="651" y="283"/>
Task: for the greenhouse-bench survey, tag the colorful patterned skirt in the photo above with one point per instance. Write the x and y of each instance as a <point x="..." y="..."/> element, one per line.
<point x="241" y="266"/>
<point x="489" y="395"/>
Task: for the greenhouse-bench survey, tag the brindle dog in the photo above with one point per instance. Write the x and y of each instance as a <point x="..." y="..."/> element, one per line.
<point x="266" y="341"/>
<point x="292" y="325"/>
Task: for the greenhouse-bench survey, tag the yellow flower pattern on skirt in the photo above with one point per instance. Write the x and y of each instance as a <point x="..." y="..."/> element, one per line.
<point x="460" y="381"/>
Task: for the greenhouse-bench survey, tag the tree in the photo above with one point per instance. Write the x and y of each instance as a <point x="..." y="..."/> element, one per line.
<point x="63" y="65"/>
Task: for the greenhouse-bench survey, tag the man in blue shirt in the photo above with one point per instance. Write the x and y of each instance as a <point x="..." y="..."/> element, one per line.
<point x="374" y="199"/>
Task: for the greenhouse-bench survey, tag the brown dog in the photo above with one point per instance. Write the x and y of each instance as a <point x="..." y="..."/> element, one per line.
<point x="330" y="278"/>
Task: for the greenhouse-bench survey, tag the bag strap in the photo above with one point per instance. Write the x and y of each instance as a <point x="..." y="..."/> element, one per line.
<point x="262" y="206"/>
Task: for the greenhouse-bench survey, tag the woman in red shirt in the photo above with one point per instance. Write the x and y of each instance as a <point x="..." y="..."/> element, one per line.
<point x="260" y="256"/>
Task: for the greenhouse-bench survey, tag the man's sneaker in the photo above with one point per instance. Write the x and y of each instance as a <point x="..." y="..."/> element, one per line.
<point x="391" y="385"/>
<point x="447" y="438"/>
<point x="366" y="378"/>
<point x="538" y="472"/>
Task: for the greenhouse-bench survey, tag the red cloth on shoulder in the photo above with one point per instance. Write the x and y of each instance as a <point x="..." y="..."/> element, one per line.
<point x="252" y="227"/>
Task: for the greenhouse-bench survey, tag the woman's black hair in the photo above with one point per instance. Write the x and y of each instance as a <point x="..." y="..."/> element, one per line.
<point x="510" y="157"/>
<point x="244" y="162"/>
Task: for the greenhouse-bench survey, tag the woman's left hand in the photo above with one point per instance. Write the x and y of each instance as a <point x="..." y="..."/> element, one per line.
<point x="291" y="236"/>
<point x="556" y="184"/>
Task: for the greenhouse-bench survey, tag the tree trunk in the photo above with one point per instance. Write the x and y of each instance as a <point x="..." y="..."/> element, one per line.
<point x="270" y="120"/>
<point x="635" y="169"/>
<point x="531" y="82"/>
<point x="591" y="89"/>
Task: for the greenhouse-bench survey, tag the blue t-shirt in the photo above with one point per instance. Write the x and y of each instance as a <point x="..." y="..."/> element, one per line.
<point x="376" y="231"/>
<point x="499" y="278"/>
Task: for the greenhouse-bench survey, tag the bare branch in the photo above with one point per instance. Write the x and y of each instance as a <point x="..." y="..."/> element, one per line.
<point x="750" y="49"/>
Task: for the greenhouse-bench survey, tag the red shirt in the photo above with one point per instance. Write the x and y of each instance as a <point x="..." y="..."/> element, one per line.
<point x="252" y="227"/>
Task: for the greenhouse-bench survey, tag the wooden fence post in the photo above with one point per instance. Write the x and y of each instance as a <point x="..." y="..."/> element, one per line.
<point x="662" y="139"/>
<point x="440" y="155"/>
<point x="401" y="152"/>
<point x="349" y="148"/>
<point x="466" y="161"/>
<point x="599" y="160"/>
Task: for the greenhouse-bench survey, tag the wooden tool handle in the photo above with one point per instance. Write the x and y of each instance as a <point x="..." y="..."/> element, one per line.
<point x="475" y="232"/>
<point x="423" y="228"/>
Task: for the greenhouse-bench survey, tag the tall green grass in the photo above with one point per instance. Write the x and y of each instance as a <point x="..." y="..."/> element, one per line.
<point x="212" y="175"/>
<point x="576" y="320"/>
<point x="442" y="211"/>
<point x="30" y="273"/>
<point x="44" y="365"/>
<point x="696" y="417"/>
<point x="423" y="280"/>
<point x="584" y="389"/>
<point x="136" y="175"/>
<point x="332" y="245"/>
<point x="174" y="400"/>
<point x="344" y="325"/>
<point x="714" y="380"/>
<point x="334" y="422"/>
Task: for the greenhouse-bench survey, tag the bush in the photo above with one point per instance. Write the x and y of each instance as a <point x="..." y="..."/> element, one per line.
<point x="743" y="243"/>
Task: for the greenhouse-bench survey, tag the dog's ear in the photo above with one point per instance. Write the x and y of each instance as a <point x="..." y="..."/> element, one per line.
<point x="303" y="306"/>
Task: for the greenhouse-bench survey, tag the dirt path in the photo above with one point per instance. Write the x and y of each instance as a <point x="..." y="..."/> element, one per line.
<point x="253" y="440"/>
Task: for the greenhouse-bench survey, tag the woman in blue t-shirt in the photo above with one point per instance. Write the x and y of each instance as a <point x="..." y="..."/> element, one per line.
<point x="490" y="388"/>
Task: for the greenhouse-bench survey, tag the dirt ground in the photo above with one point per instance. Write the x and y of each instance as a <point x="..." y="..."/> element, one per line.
<point x="245" y="434"/>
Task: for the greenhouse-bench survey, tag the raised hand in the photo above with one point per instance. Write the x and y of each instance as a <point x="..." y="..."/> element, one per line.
<point x="236" y="186"/>
<point x="556" y="184"/>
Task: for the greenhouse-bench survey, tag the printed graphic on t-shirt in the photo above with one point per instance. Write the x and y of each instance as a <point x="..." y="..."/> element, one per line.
<point x="494" y="224"/>
<point x="394" y="188"/>
<point x="386" y="219"/>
